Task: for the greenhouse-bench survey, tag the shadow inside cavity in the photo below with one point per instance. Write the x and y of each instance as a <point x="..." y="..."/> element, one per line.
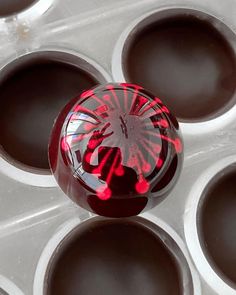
<point x="217" y="224"/>
<point x="32" y="94"/>
<point x="10" y="7"/>
<point x="113" y="257"/>
<point x="185" y="61"/>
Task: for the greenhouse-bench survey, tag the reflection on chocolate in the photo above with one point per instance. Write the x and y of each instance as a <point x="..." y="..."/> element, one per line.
<point x="8" y="7"/>
<point x="185" y="61"/>
<point x="32" y="94"/>
<point x="217" y="223"/>
<point x="116" y="151"/>
<point x="113" y="257"/>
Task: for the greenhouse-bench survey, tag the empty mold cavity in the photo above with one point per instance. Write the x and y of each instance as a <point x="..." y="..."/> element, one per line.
<point x="112" y="256"/>
<point x="217" y="224"/>
<point x="33" y="90"/>
<point x="185" y="57"/>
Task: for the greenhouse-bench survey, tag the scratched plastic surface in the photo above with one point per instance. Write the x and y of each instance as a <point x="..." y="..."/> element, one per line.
<point x="31" y="214"/>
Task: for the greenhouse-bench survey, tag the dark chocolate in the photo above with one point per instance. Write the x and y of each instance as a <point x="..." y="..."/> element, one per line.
<point x="185" y="61"/>
<point x="9" y="7"/>
<point x="32" y="94"/>
<point x="217" y="224"/>
<point x="113" y="257"/>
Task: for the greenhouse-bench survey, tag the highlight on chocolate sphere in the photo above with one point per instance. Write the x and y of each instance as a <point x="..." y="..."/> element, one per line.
<point x="116" y="150"/>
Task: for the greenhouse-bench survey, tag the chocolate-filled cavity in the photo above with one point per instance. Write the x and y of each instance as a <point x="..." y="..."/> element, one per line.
<point x="217" y="224"/>
<point x="33" y="89"/>
<point x="9" y="7"/>
<point x="113" y="257"/>
<point x="184" y="60"/>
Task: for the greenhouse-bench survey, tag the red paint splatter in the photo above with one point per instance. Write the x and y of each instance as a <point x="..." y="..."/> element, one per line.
<point x="102" y="109"/>
<point x="130" y="85"/>
<point x="137" y="105"/>
<point x="125" y="105"/>
<point x="146" y="167"/>
<point x="88" y="157"/>
<point x="142" y="186"/>
<point x="80" y="109"/>
<point x="111" y="89"/>
<point x="88" y="127"/>
<point x="113" y="167"/>
<point x="162" y="123"/>
<point x="158" y="100"/>
<point x="64" y="144"/>
<point x="120" y="171"/>
<point x="159" y="163"/>
<point x="150" y="106"/>
<point x="146" y="147"/>
<point x="104" y="193"/>
<point x="106" y="97"/>
<point x="87" y="93"/>
<point x="105" y="158"/>
<point x="178" y="145"/>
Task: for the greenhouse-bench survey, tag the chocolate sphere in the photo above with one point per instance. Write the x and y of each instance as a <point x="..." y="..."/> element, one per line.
<point x="116" y="150"/>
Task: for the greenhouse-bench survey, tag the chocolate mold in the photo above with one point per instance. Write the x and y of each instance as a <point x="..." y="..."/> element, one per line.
<point x="32" y="207"/>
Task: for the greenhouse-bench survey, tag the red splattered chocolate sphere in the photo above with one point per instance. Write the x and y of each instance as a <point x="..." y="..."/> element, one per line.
<point x="116" y="150"/>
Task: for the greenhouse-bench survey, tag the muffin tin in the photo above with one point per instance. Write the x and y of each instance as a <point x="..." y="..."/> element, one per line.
<point x="37" y="221"/>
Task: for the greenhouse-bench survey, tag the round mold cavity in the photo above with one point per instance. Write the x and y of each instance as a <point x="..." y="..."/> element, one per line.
<point x="118" y="256"/>
<point x="210" y="225"/>
<point x="185" y="56"/>
<point x="33" y="89"/>
<point x="22" y="9"/>
<point x="8" y="288"/>
<point x="217" y="223"/>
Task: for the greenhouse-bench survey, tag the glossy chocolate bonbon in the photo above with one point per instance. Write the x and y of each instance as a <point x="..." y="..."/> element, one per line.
<point x="116" y="150"/>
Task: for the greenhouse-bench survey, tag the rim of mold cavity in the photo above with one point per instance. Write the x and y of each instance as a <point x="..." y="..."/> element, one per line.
<point x="36" y="176"/>
<point x="154" y="223"/>
<point x="9" y="287"/>
<point x="118" y="71"/>
<point x="191" y="228"/>
<point x="30" y="13"/>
